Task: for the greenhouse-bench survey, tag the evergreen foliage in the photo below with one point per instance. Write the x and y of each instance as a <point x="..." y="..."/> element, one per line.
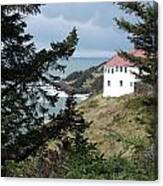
<point x="59" y="148"/>
<point x="73" y="76"/>
<point x="87" y="81"/>
<point x="23" y="71"/>
<point x="143" y="33"/>
<point x="72" y="156"/>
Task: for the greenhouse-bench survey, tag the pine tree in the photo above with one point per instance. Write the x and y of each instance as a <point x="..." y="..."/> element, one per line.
<point x="23" y="68"/>
<point x="79" y="154"/>
<point x="75" y="124"/>
<point x="143" y="33"/>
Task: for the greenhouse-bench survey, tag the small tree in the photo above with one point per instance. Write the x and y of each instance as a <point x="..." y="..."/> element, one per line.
<point x="75" y="124"/>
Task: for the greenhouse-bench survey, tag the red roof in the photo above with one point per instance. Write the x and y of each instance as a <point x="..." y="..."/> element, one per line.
<point x="119" y="61"/>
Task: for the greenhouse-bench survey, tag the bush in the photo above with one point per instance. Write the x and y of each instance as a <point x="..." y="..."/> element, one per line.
<point x="79" y="166"/>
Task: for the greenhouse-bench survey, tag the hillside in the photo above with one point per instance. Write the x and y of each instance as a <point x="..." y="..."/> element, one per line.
<point x="119" y="126"/>
<point x="90" y="80"/>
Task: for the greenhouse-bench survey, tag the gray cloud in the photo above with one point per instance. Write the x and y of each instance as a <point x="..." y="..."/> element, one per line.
<point x="103" y="13"/>
<point x="94" y="22"/>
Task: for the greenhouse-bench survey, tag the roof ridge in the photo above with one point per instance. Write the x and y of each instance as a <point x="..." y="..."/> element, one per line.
<point x="117" y="60"/>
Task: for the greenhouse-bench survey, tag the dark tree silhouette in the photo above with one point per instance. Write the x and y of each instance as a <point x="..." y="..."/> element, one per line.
<point x="23" y="70"/>
<point x="143" y="33"/>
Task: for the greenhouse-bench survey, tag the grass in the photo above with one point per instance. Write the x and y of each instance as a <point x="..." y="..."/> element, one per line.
<point x="118" y="125"/>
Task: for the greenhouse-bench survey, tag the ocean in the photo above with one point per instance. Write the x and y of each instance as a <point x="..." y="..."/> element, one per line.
<point x="77" y="64"/>
<point x="72" y="65"/>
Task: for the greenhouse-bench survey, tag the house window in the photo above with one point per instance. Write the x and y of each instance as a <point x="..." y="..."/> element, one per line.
<point x="116" y="69"/>
<point x="108" y="70"/>
<point x="121" y="83"/>
<point x="121" y="69"/>
<point x="125" y="69"/>
<point x="112" y="70"/>
<point x="131" y="84"/>
<point x="109" y="83"/>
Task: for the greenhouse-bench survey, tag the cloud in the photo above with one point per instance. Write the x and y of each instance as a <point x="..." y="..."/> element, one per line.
<point x="94" y="39"/>
<point x="102" y="12"/>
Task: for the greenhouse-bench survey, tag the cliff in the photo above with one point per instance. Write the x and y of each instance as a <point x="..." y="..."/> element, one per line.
<point x="88" y="81"/>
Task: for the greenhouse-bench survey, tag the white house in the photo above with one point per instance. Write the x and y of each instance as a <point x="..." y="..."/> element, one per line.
<point x="119" y="78"/>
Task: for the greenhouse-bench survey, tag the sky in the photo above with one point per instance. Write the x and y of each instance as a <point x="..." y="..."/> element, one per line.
<point x="98" y="33"/>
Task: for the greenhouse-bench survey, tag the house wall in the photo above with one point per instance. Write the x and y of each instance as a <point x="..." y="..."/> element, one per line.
<point x="115" y="90"/>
